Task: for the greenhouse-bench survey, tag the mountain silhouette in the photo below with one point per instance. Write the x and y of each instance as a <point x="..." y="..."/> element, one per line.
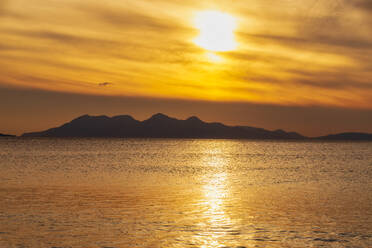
<point x="347" y="136"/>
<point x="158" y="126"/>
<point x="163" y="126"/>
<point x="6" y="135"/>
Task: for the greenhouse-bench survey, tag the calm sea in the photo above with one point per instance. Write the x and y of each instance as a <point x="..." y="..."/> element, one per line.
<point x="116" y="193"/>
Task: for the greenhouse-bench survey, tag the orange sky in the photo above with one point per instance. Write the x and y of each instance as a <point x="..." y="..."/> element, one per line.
<point x="288" y="53"/>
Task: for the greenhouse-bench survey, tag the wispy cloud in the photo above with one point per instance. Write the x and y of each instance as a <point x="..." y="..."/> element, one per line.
<point x="297" y="52"/>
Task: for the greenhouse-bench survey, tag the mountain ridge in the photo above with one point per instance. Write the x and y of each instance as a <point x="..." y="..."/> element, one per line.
<point x="157" y="126"/>
<point x="162" y="126"/>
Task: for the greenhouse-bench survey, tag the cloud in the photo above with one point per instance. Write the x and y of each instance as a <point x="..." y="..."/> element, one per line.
<point x="46" y="63"/>
<point x="6" y="12"/>
<point x="3" y="4"/>
<point x="314" y="41"/>
<point x="39" y="81"/>
<point x="61" y="37"/>
<point x="365" y="5"/>
<point x="325" y="46"/>
<point x="124" y="18"/>
<point x="336" y="83"/>
<point x="288" y="49"/>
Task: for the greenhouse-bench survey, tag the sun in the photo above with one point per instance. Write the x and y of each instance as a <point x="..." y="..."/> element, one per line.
<point x="216" y="31"/>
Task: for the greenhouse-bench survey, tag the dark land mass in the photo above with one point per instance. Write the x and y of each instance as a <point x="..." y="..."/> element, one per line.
<point x="6" y="135"/>
<point x="158" y="126"/>
<point x="347" y="136"/>
<point x="162" y="126"/>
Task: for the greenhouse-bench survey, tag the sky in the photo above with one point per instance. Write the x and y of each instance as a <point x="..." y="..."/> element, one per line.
<point x="302" y="66"/>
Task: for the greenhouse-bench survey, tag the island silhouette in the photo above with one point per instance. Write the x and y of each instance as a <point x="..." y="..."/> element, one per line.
<point x="6" y="135"/>
<point x="163" y="126"/>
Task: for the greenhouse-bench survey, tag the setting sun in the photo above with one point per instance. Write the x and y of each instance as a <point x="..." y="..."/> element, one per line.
<point x="216" y="31"/>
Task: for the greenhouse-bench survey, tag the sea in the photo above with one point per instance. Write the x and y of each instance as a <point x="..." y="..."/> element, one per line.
<point x="119" y="193"/>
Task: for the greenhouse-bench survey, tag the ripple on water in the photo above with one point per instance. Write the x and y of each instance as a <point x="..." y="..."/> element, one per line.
<point x="114" y="193"/>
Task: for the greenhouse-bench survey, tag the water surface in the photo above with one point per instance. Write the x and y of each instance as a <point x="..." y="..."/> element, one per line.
<point x="184" y="193"/>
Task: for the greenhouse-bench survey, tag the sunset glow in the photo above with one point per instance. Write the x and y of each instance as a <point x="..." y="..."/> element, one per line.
<point x="273" y="53"/>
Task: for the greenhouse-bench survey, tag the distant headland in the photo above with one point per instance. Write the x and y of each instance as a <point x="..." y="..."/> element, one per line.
<point x="163" y="126"/>
<point x="6" y="135"/>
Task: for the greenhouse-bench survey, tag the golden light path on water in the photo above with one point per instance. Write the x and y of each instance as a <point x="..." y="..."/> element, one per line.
<point x="217" y="201"/>
<point x="215" y="193"/>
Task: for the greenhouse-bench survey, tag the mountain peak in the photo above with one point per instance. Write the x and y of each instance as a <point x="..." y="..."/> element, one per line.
<point x="159" y="116"/>
<point x="194" y="119"/>
<point x="82" y="117"/>
<point x="89" y="117"/>
<point x="122" y="117"/>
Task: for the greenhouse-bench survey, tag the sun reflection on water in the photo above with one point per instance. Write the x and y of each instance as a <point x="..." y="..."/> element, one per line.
<point x="215" y="193"/>
<point x="215" y="223"/>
